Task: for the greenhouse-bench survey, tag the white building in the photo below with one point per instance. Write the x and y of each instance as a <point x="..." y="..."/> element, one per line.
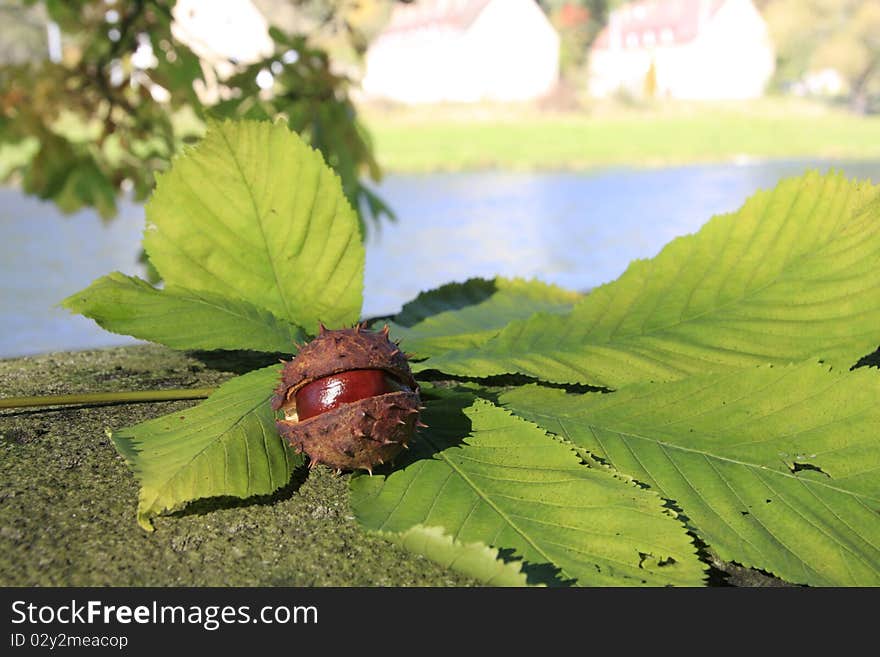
<point x="463" y="51"/>
<point x="686" y="49"/>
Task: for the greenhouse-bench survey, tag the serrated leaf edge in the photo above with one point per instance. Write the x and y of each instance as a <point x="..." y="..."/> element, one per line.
<point x="511" y="568"/>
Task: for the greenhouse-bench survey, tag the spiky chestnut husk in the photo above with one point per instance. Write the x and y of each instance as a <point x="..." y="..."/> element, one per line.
<point x="349" y="399"/>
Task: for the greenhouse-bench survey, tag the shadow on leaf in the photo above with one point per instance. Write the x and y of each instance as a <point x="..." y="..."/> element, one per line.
<point x="506" y="381"/>
<point x="449" y="297"/>
<point x="237" y="362"/>
<point x="208" y="504"/>
<point x="871" y="360"/>
<point x="448" y="426"/>
<point x="537" y="573"/>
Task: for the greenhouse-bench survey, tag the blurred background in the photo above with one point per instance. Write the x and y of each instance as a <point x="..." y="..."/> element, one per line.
<point x="556" y="140"/>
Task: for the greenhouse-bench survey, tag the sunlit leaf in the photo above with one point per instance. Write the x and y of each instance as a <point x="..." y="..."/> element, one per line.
<point x="776" y="468"/>
<point x="486" y="476"/>
<point x="466" y="315"/>
<point x="225" y="446"/>
<point x="130" y="306"/>
<point x="252" y="212"/>
<point x="472" y="559"/>
<point x="792" y="274"/>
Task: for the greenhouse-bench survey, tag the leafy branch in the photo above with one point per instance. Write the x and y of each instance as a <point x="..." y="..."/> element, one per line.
<point x="126" y="94"/>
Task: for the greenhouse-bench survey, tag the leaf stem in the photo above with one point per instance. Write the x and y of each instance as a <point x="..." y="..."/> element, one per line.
<point x="107" y="397"/>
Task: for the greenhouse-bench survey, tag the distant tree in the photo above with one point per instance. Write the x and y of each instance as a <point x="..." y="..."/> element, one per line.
<point x="811" y="35"/>
<point x="344" y="28"/>
<point x="125" y="92"/>
<point x="578" y="22"/>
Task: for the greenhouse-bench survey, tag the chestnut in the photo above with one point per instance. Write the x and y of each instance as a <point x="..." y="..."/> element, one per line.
<point x="348" y="399"/>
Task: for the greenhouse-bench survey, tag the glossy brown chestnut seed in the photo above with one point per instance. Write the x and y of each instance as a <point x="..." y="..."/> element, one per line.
<point x="325" y="394"/>
<point x="349" y="399"/>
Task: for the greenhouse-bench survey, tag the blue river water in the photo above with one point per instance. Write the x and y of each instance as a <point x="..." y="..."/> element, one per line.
<point x="575" y="229"/>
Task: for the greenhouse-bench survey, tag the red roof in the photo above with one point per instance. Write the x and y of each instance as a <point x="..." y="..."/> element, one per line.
<point x="457" y="14"/>
<point x="663" y="22"/>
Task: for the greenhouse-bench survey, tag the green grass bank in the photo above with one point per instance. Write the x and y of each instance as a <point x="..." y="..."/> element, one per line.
<point x="428" y="139"/>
